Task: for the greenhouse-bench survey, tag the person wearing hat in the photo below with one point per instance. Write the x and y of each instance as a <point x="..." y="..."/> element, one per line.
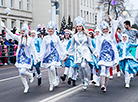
<point x="52" y="52"/>
<point x="70" y="67"/>
<point x="80" y="49"/>
<point x="128" y="63"/>
<point x="91" y="65"/>
<point x="94" y="68"/>
<point x="37" y="43"/>
<point x="106" y="51"/>
<point x="23" y="59"/>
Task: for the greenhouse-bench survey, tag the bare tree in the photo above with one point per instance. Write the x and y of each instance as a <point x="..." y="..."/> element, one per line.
<point x="115" y="7"/>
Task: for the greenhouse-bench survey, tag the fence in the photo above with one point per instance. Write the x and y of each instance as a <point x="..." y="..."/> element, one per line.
<point x="7" y="54"/>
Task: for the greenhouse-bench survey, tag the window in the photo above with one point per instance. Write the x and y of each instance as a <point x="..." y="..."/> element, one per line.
<point x="21" y="23"/>
<point x="12" y="24"/>
<point x="81" y="2"/>
<point x="96" y="18"/>
<point x="84" y="2"/>
<point x="90" y="3"/>
<point x="87" y="3"/>
<point x="2" y="2"/>
<point x="11" y="3"/>
<point x="20" y="4"/>
<point x="90" y="18"/>
<point x="81" y="13"/>
<point x="27" y="5"/>
<point x="85" y="15"/>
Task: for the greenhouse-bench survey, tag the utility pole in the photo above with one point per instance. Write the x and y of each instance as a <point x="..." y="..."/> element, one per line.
<point x="53" y="11"/>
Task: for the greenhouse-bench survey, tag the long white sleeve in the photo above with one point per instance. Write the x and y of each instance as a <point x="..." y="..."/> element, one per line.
<point x="13" y="36"/>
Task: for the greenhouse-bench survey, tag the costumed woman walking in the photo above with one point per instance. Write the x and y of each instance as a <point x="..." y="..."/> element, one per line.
<point x="80" y="49"/>
<point x="52" y="52"/>
<point x="23" y="59"/>
<point x="128" y="63"/>
<point x="37" y="43"/>
<point x="106" y="51"/>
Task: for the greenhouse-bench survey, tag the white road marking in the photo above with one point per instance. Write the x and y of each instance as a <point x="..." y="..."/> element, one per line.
<point x="63" y="94"/>
<point x="11" y="78"/>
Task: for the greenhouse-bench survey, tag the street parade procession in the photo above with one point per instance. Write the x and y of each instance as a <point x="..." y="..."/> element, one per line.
<point x="88" y="56"/>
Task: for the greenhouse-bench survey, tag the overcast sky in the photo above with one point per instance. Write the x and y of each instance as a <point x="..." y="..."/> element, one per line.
<point x="135" y="3"/>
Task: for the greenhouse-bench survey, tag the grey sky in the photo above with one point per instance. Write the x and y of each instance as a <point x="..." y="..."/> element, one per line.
<point x="135" y="3"/>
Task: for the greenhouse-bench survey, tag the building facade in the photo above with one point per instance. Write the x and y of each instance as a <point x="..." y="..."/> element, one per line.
<point x="34" y="12"/>
<point x="74" y="8"/>
<point x="20" y="12"/>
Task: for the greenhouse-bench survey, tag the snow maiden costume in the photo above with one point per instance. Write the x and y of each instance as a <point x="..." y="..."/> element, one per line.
<point x="52" y="52"/>
<point x="37" y="43"/>
<point x="107" y="52"/>
<point x="23" y="58"/>
<point x="80" y="48"/>
<point x="70" y="67"/>
<point x="128" y="63"/>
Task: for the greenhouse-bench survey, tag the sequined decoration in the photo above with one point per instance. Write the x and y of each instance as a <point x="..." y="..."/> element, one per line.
<point x="106" y="53"/>
<point x="21" y="57"/>
<point x="53" y="56"/>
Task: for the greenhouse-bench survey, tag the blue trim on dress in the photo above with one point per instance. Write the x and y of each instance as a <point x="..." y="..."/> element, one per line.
<point x="107" y="53"/>
<point x="53" y="56"/>
<point x="21" y="57"/>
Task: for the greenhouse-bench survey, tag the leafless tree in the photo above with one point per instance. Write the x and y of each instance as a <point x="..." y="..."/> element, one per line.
<point x="115" y="8"/>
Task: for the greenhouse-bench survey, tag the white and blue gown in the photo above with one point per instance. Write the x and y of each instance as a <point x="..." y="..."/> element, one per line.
<point x="128" y="64"/>
<point x="52" y="52"/>
<point x="107" y="51"/>
<point x="23" y="58"/>
<point x="108" y="54"/>
<point x="80" y="48"/>
<point x="70" y="63"/>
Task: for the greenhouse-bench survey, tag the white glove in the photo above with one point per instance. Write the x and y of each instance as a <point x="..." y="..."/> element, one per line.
<point x="2" y="24"/>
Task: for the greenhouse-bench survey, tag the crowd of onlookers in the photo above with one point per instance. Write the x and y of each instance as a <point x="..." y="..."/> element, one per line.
<point x="8" y="48"/>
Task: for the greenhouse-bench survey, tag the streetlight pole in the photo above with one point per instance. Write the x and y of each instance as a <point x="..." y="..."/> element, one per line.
<point x="53" y="12"/>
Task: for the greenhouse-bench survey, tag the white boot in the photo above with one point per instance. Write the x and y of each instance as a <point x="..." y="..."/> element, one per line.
<point x="85" y="84"/>
<point x="127" y="81"/>
<point x="57" y="81"/>
<point x="50" y="81"/>
<point x="102" y="82"/>
<point x="24" y="81"/>
<point x="94" y="81"/>
<point x="30" y="75"/>
<point x="66" y="71"/>
<point x="118" y="74"/>
<point x="53" y="73"/>
<point x="98" y="82"/>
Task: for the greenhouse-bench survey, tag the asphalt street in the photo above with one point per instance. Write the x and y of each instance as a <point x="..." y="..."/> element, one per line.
<point x="11" y="90"/>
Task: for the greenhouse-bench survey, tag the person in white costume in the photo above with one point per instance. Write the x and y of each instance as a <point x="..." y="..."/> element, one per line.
<point x="23" y="59"/>
<point x="106" y="51"/>
<point x="81" y="48"/>
<point x="51" y="52"/>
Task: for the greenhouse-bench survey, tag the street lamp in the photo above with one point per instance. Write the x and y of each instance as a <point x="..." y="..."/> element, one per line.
<point x="54" y="1"/>
<point x="53" y="11"/>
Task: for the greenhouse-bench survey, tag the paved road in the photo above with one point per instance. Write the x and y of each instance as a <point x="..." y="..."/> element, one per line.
<point x="11" y="90"/>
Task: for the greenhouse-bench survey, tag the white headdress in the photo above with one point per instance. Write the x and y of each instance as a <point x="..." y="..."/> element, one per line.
<point x="79" y="21"/>
<point x="33" y="31"/>
<point x="25" y="28"/>
<point x="125" y="35"/>
<point x="104" y="25"/>
<point x="51" y="24"/>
